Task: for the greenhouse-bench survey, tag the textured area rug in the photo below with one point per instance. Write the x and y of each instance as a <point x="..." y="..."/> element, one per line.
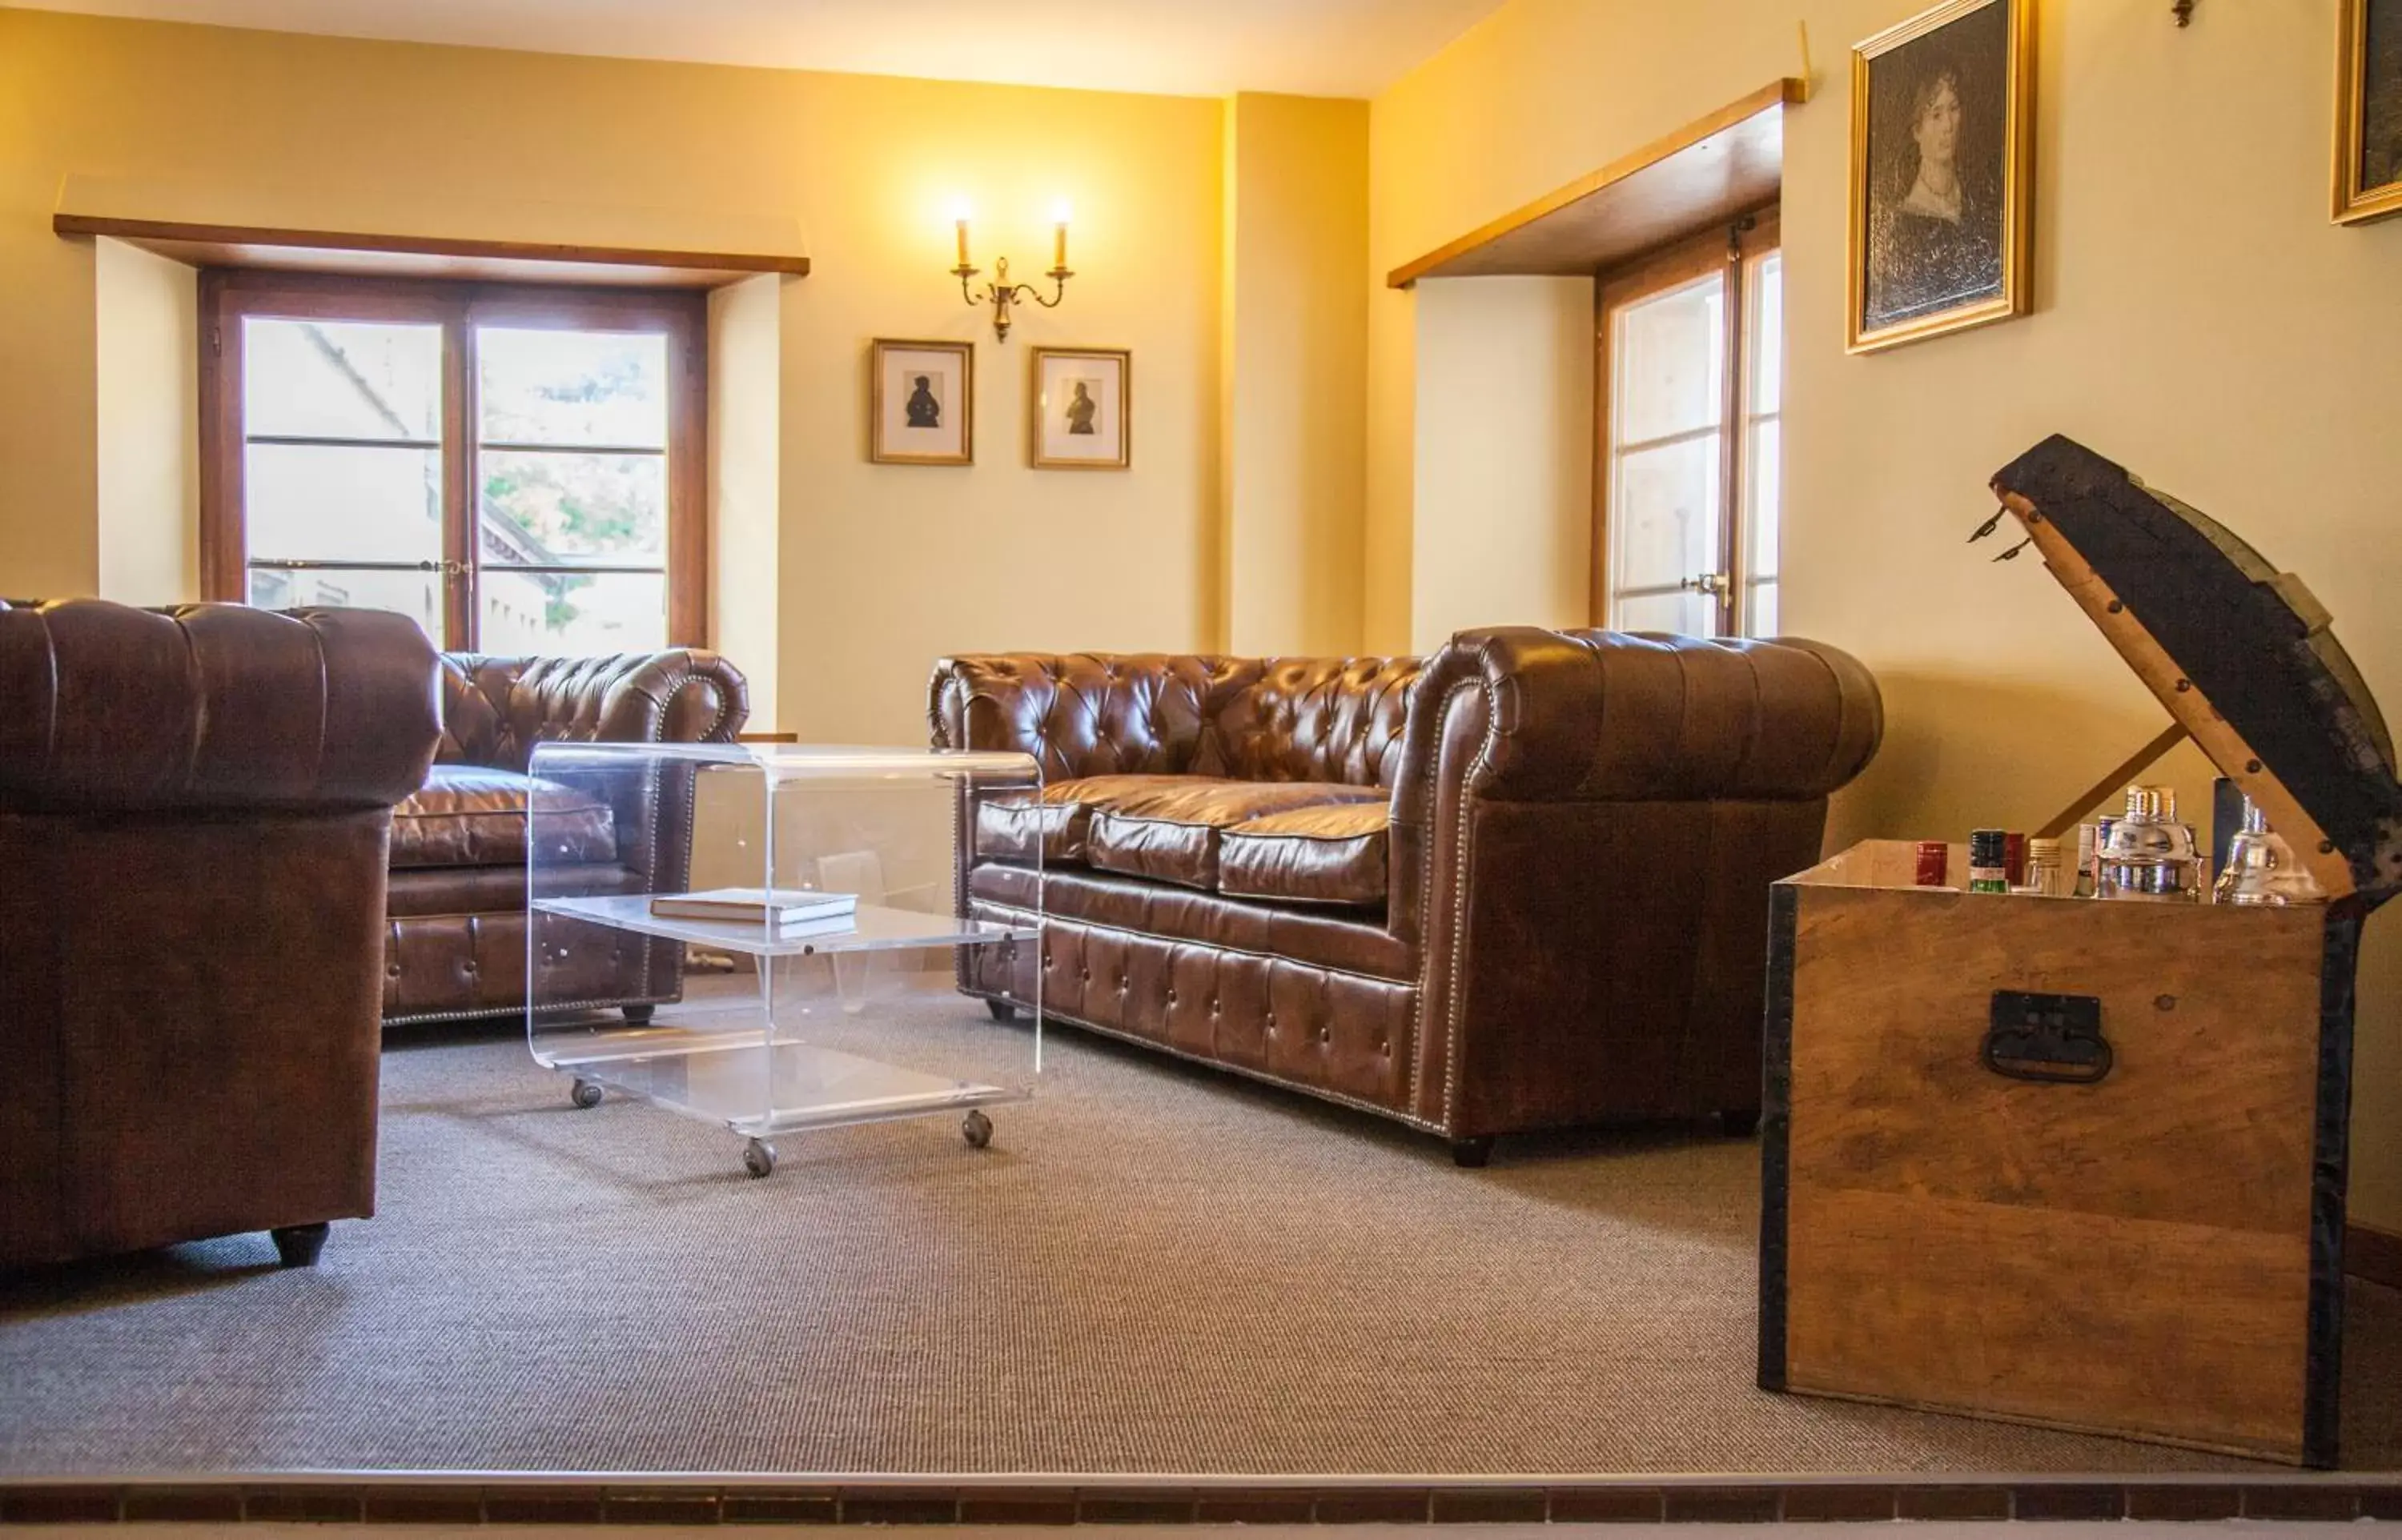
<point x="1154" y="1268"/>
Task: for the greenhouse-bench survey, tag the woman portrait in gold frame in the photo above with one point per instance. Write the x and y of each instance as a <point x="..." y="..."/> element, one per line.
<point x="2368" y="111"/>
<point x="1942" y="173"/>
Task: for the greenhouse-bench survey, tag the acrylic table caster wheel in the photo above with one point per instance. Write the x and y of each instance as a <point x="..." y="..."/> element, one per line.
<point x="758" y="1158"/>
<point x="585" y="1095"/>
<point x="977" y="1130"/>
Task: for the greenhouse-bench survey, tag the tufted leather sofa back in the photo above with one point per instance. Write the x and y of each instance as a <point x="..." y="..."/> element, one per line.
<point x="1107" y="714"/>
<point x="106" y="707"/>
<point x="1314" y="720"/>
<point x="494" y="709"/>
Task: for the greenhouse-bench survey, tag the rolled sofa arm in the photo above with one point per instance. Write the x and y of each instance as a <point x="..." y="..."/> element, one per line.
<point x="1080" y="713"/>
<point x="1605" y="716"/>
<point x="103" y="706"/>
<point x="495" y="709"/>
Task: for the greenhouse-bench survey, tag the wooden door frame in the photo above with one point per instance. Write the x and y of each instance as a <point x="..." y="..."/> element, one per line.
<point x="226" y="294"/>
<point x="1720" y="247"/>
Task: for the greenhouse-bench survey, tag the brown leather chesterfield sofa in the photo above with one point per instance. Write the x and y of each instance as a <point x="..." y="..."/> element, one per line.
<point x="1518" y="885"/>
<point x="456" y="942"/>
<point x="193" y="805"/>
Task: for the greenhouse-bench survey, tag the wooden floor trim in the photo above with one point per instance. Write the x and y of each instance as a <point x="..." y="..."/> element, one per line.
<point x="561" y="1498"/>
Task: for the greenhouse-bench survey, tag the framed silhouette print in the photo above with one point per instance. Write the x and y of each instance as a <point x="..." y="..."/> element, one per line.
<point x="921" y="408"/>
<point x="1084" y="408"/>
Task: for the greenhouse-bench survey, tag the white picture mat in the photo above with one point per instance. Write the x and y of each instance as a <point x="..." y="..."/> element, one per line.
<point x="1106" y="377"/>
<point x="946" y="377"/>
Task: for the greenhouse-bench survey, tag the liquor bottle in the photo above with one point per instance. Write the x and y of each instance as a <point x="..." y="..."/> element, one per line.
<point x="2149" y="854"/>
<point x="2043" y="876"/>
<point x="2261" y="868"/>
<point x="1986" y="873"/>
<point x="2087" y="844"/>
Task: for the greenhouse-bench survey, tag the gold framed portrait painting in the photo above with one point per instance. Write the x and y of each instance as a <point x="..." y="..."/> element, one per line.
<point x="1084" y="408"/>
<point x="2368" y="111"/>
<point x="921" y="403"/>
<point x="1942" y="173"/>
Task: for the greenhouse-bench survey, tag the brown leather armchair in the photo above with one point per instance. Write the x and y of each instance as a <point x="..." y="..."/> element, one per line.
<point x="455" y="943"/>
<point x="193" y="807"/>
<point x="1521" y="884"/>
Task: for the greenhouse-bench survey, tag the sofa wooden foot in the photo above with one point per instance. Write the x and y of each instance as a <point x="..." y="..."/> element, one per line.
<point x="1002" y="1010"/>
<point x="1739" y="1124"/>
<point x="1472" y="1154"/>
<point x="639" y="1015"/>
<point x="298" y="1245"/>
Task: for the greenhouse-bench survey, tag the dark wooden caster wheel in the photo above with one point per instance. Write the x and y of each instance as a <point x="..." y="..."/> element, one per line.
<point x="585" y="1095"/>
<point x="758" y="1158"/>
<point x="297" y="1245"/>
<point x="1002" y="1010"/>
<point x="639" y="1015"/>
<point x="1472" y="1154"/>
<point x="977" y="1130"/>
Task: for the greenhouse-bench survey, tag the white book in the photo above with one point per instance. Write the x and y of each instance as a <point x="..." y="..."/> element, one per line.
<point x="751" y="906"/>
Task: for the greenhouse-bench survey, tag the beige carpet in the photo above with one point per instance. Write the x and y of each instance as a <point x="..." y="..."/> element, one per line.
<point x="1155" y="1268"/>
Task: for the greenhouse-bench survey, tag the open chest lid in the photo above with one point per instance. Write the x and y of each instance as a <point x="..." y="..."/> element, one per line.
<point x="2239" y="653"/>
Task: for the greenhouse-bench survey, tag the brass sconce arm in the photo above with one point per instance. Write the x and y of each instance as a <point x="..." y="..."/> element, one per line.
<point x="1000" y="294"/>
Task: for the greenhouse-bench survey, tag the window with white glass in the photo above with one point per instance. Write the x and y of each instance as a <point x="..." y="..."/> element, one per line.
<point x="1686" y="500"/>
<point x="516" y="469"/>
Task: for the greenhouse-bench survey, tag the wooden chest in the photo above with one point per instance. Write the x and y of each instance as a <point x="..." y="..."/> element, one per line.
<point x="2080" y="1162"/>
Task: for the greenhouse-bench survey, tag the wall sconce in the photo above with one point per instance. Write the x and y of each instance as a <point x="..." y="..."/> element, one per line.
<point x="1000" y="292"/>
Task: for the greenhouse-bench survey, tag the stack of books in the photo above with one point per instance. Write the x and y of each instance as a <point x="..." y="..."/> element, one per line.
<point x="790" y="913"/>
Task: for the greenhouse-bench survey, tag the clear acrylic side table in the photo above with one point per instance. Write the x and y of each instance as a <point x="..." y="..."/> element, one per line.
<point x="847" y="1020"/>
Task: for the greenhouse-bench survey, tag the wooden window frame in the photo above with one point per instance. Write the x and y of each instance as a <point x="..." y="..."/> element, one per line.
<point x="1723" y="248"/>
<point x="228" y="294"/>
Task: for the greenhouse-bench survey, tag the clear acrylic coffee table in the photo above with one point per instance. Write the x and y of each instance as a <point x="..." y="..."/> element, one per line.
<point x="834" y="1020"/>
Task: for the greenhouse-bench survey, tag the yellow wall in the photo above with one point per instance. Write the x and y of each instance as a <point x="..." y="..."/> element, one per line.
<point x="883" y="568"/>
<point x="2197" y="318"/>
<point x="145" y="314"/>
<point x="1503" y="479"/>
<point x="746" y="324"/>
<point x="1296" y="337"/>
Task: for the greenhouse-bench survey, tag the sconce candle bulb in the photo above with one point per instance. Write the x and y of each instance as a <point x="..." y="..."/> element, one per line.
<point x="1000" y="292"/>
<point x="959" y="212"/>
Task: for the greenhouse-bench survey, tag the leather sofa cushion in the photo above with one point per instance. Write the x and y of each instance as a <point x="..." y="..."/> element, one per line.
<point x="1013" y="828"/>
<point x="416" y="891"/>
<point x="1334" y="854"/>
<point x="1060" y="823"/>
<point x="465" y="815"/>
<point x="1166" y="826"/>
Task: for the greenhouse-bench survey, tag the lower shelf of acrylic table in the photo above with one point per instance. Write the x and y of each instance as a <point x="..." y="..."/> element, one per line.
<point x="875" y="928"/>
<point x="741" y="1080"/>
